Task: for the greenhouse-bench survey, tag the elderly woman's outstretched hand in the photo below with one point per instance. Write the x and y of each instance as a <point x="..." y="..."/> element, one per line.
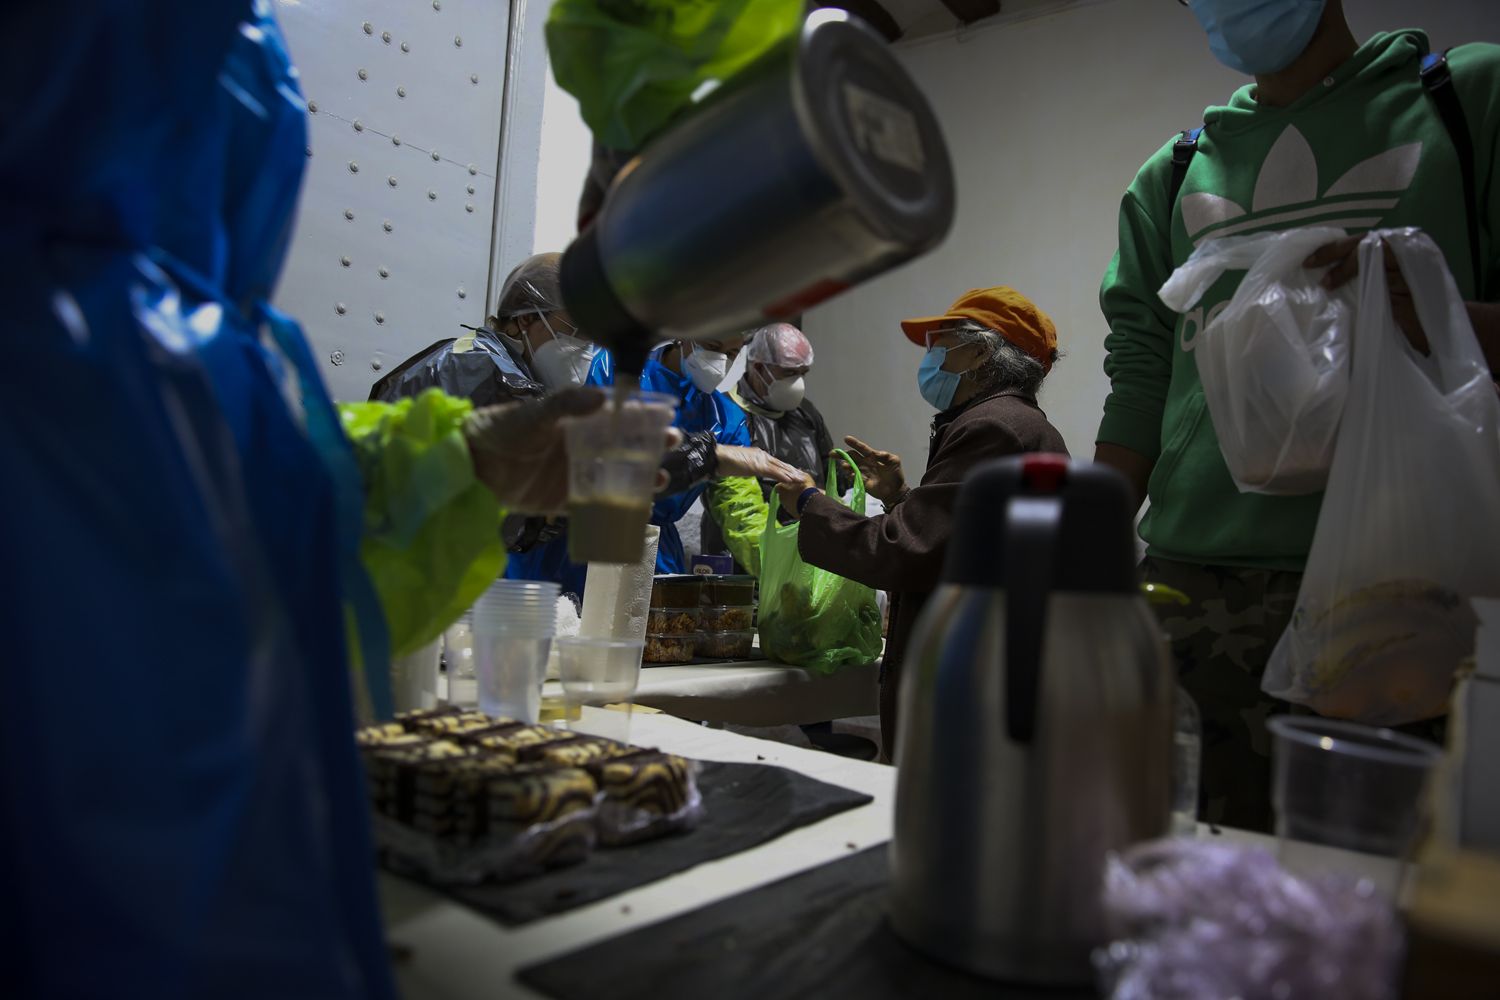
<point x="884" y="479"/>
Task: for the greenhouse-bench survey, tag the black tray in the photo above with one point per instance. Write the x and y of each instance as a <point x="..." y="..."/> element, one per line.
<point x="745" y="805"/>
<point x="821" y="934"/>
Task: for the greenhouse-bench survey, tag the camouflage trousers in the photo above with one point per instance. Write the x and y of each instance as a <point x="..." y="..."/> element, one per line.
<point x="1220" y="643"/>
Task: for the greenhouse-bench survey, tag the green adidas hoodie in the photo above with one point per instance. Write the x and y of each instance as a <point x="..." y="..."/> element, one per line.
<point x="1364" y="150"/>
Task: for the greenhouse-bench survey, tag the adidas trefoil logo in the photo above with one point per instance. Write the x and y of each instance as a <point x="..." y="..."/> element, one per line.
<point x="1286" y="193"/>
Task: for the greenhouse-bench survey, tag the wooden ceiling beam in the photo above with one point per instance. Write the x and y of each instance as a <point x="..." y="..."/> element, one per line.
<point x="870" y="10"/>
<point x="969" y="11"/>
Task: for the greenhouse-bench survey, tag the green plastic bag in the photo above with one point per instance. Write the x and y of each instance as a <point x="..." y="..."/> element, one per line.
<point x="810" y="617"/>
<point x="634" y="64"/>
<point x="432" y="530"/>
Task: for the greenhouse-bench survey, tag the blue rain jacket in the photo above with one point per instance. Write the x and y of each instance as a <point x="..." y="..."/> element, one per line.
<point x="696" y="411"/>
<point x="184" y="810"/>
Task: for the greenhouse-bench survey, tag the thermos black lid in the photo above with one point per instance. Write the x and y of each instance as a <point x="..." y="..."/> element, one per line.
<point x="1094" y="544"/>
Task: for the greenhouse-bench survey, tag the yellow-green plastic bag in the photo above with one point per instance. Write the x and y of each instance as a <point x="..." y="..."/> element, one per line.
<point x="432" y="530"/>
<point x="634" y="64"/>
<point x="810" y="617"/>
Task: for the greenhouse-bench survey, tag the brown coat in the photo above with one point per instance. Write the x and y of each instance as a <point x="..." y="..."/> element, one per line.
<point x="902" y="551"/>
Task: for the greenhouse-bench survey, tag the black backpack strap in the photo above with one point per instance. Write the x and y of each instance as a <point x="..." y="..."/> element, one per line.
<point x="1182" y="157"/>
<point x="1437" y="80"/>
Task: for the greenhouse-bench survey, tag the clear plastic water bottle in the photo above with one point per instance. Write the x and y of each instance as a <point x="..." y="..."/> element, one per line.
<point x="1187" y="743"/>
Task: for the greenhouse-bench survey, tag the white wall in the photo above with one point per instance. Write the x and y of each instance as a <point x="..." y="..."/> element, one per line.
<point x="396" y="219"/>
<point x="566" y="145"/>
<point x="1048" y="120"/>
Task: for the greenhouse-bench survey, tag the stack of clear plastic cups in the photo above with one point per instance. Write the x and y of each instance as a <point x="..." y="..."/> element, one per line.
<point x="458" y="658"/>
<point x="513" y="625"/>
<point x="414" y="678"/>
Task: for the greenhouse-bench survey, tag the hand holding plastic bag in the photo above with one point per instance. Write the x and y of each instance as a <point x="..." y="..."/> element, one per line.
<point x="1275" y="362"/>
<point x="1407" y="534"/>
<point x="810" y="617"/>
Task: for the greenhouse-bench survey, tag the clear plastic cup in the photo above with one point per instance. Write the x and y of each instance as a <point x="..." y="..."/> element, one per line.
<point x="519" y="607"/>
<point x="414" y="678"/>
<point x="508" y="671"/>
<point x="595" y="673"/>
<point x="613" y="457"/>
<point x="1349" y="799"/>
<point x="513" y="623"/>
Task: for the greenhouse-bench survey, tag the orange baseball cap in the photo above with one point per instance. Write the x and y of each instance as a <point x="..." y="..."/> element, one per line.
<point x="1004" y="310"/>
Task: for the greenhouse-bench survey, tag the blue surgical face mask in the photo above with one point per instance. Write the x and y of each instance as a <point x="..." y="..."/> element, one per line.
<point x="1258" y="36"/>
<point x="936" y="385"/>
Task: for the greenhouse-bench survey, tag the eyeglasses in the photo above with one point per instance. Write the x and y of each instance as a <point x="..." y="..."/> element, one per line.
<point x="559" y="328"/>
<point x="932" y="335"/>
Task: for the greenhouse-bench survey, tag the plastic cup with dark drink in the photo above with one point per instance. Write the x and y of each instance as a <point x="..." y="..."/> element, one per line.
<point x="613" y="457"/>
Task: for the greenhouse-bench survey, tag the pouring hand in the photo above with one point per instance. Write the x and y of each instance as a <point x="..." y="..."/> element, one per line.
<point x="520" y="452"/>
<point x="884" y="479"/>
<point x="739" y="461"/>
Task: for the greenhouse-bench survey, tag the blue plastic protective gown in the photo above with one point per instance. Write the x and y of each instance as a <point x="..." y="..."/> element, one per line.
<point x="184" y="812"/>
<point x="696" y="411"/>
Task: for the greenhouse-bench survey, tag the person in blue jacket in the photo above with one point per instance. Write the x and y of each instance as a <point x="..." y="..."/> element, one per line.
<point x="690" y="373"/>
<point x="716" y="457"/>
<point x="201" y="547"/>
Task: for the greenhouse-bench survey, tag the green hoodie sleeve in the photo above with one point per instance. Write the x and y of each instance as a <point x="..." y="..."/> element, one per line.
<point x="432" y="531"/>
<point x="740" y="511"/>
<point x="1476" y="79"/>
<point x="1138" y="358"/>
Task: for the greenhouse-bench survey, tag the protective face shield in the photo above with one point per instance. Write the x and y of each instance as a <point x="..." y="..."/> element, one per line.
<point x="785" y="394"/>
<point x="706" y="368"/>
<point x="1258" y="36"/>
<point x="936" y="385"/>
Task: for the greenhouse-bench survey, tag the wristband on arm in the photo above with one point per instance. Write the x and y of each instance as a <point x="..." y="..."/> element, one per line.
<point x="691" y="462"/>
<point x="805" y="496"/>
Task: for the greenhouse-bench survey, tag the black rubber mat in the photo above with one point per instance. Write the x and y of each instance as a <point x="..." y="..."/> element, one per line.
<point x="821" y="934"/>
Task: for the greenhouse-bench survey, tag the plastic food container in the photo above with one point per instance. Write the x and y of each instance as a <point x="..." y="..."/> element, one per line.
<point x="728" y="591"/>
<point x="727" y="645"/>
<point x="670" y="648"/>
<point x="674" y="621"/>
<point x="728" y="619"/>
<point x="677" y="591"/>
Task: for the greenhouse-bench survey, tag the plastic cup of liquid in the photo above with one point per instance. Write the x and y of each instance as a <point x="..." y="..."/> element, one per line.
<point x="613" y="457"/>
<point x="1349" y="799"/>
<point x="595" y="673"/>
<point x="513" y="624"/>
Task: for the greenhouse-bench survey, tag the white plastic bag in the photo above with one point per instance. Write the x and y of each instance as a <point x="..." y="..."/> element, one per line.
<point x="1275" y="362"/>
<point x="1408" y="529"/>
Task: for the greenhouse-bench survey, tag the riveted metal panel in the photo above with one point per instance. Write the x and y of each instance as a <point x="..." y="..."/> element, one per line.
<point x="394" y="230"/>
